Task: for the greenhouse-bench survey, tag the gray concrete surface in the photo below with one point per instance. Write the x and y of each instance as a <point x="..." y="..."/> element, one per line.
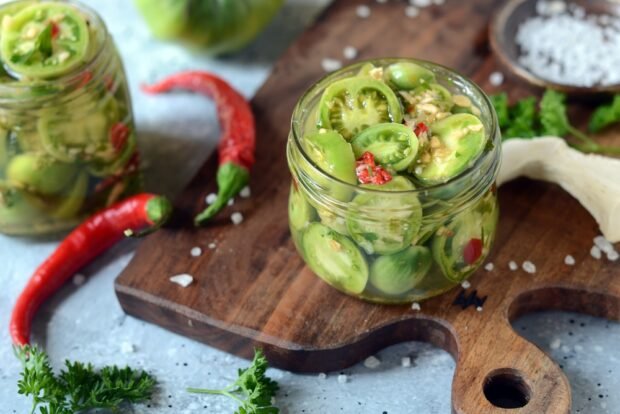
<point x="86" y="323"/>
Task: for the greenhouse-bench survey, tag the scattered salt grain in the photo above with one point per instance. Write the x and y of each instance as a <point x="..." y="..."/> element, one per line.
<point x="245" y="192"/>
<point x="512" y="265"/>
<point x="569" y="260"/>
<point x="322" y="376"/>
<point x="342" y="379"/>
<point x="479" y="308"/>
<point x="196" y="251"/>
<point x="565" y="349"/>
<point x="529" y="267"/>
<point x="412" y="11"/>
<point x="405" y="362"/>
<point x="596" y="252"/>
<point x="212" y="246"/>
<point x="183" y="279"/>
<point x="79" y="279"/>
<point x="416" y="306"/>
<point x="372" y="362"/>
<point x="349" y="52"/>
<point x="489" y="267"/>
<point x="362" y="11"/>
<point x="555" y="344"/>
<point x="496" y="78"/>
<point x="603" y="244"/>
<point x="613" y="256"/>
<point x="421" y="3"/>
<point x="127" y="348"/>
<point x="236" y="218"/>
<point x="210" y="199"/>
<point x="231" y="202"/>
<point x="330" y="65"/>
<point x="465" y="284"/>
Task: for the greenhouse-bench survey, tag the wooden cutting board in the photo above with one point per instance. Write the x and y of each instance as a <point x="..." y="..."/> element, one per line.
<point x="254" y="290"/>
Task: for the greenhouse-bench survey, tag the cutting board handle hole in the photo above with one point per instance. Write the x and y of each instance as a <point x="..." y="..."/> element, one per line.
<point x="506" y="388"/>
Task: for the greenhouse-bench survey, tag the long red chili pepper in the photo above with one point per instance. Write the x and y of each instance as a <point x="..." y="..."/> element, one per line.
<point x="238" y="138"/>
<point x="143" y="212"/>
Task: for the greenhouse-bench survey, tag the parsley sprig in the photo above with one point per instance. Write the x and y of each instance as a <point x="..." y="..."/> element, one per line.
<point x="522" y="120"/>
<point x="78" y="387"/>
<point x="252" y="390"/>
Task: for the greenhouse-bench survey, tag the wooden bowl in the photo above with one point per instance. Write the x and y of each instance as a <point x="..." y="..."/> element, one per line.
<point x="503" y="31"/>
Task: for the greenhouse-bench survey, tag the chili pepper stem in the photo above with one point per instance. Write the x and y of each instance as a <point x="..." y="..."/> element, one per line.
<point x="158" y="211"/>
<point x="231" y="178"/>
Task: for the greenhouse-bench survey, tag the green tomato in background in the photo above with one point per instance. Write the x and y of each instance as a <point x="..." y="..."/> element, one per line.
<point x="219" y="26"/>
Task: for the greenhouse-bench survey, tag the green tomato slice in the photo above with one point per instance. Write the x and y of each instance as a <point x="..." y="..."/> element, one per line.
<point x="400" y="272"/>
<point x="408" y="75"/>
<point x="385" y="223"/>
<point x="461" y="139"/>
<point x="461" y="246"/>
<point x="300" y="212"/>
<point x="332" y="220"/>
<point x="71" y="203"/>
<point x="393" y="145"/>
<point x="39" y="173"/>
<point x="83" y="134"/>
<point x="44" y="40"/>
<point x="335" y="258"/>
<point x="333" y="155"/>
<point x="353" y="104"/>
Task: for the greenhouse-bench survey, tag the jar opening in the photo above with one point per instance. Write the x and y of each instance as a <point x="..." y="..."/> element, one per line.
<point x="486" y="163"/>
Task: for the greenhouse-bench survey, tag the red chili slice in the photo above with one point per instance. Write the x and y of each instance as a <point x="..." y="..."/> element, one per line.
<point x="55" y="30"/>
<point x="420" y="129"/>
<point x="119" y="134"/>
<point x="368" y="172"/>
<point x="472" y="251"/>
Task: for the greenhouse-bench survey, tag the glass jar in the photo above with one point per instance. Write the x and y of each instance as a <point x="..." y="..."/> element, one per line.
<point x="67" y="138"/>
<point x="402" y="245"/>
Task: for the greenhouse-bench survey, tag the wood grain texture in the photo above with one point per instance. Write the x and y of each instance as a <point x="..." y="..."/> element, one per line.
<point x="254" y="290"/>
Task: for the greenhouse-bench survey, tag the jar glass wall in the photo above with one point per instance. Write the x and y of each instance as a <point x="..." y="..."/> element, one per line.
<point x="400" y="243"/>
<point x="67" y="138"/>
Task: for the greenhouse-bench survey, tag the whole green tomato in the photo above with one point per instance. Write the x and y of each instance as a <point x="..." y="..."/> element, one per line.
<point x="218" y="26"/>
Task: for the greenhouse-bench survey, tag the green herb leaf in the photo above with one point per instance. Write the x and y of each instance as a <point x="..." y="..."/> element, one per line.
<point x="44" y="42"/>
<point x="553" y="118"/>
<point x="605" y="115"/>
<point x="252" y="390"/>
<point x="500" y="103"/>
<point x="79" y="387"/>
<point x="523" y="120"/>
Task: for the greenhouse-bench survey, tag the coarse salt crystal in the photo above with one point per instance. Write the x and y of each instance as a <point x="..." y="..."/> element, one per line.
<point x="210" y="199"/>
<point x="231" y="202"/>
<point x="555" y="344"/>
<point x="416" y="306"/>
<point x="127" y="348"/>
<point x="596" y="252"/>
<point x="569" y="260"/>
<point x="196" y="251"/>
<point x="349" y="52"/>
<point x="512" y="265"/>
<point x="183" y="279"/>
<point x="412" y="11"/>
<point x="496" y="78"/>
<point x="465" y="284"/>
<point x="342" y="379"/>
<point x="613" y="256"/>
<point x="529" y="267"/>
<point x="489" y="267"/>
<point x="479" y="308"/>
<point x="405" y="362"/>
<point x="322" y="375"/>
<point x="79" y="279"/>
<point x="330" y="65"/>
<point x="421" y="3"/>
<point x="363" y="11"/>
<point x="603" y="244"/>
<point x="212" y="246"/>
<point x="372" y="362"/>
<point x="236" y="218"/>
<point x="245" y="192"/>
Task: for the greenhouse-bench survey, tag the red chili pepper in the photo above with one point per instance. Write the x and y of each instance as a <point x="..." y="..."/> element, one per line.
<point x="238" y="138"/>
<point x="472" y="251"/>
<point x="119" y="134"/>
<point x="368" y="172"/>
<point x="420" y="129"/>
<point x="55" y="30"/>
<point x="136" y="215"/>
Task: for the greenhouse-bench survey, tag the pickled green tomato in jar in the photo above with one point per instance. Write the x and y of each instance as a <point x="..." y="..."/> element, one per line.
<point x="67" y="139"/>
<point x="393" y="162"/>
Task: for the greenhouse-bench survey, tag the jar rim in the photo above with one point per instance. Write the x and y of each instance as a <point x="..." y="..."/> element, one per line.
<point x="491" y="134"/>
<point x="73" y="77"/>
